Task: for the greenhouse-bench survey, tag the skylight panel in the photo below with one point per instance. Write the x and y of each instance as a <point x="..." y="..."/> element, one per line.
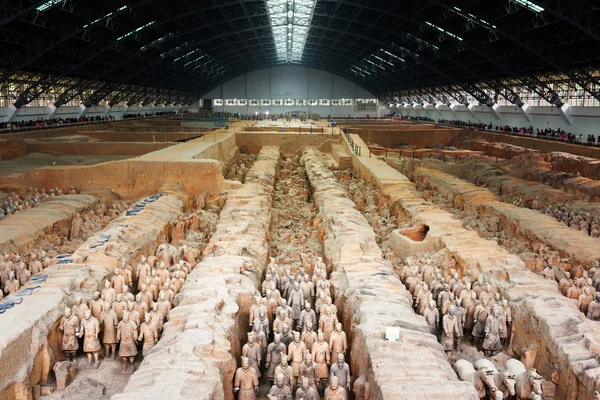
<point x="452" y="35"/>
<point x="107" y="16"/>
<point x="133" y="32"/>
<point x="530" y="5"/>
<point x="47" y="5"/>
<point x="472" y="18"/>
<point x="290" y="23"/>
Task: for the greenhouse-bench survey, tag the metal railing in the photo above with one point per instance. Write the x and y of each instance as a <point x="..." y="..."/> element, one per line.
<point x="355" y="148"/>
<point x="69" y="125"/>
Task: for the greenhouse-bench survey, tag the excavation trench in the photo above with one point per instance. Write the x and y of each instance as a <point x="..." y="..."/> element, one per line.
<point x="373" y="299"/>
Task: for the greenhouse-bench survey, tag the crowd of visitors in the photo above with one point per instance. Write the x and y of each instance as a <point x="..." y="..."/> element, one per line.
<point x="45" y="123"/>
<point x="548" y="133"/>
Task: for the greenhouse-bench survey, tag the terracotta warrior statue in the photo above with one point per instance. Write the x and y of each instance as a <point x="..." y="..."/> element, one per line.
<point x="335" y="391"/>
<point x="89" y="331"/>
<point x="127" y="338"/>
<point x="342" y="371"/>
<point x="245" y="381"/>
<point x="109" y="321"/>
<point x="69" y="325"/>
<point x="286" y="370"/>
<point x="76" y="225"/>
<point x="274" y="352"/>
<point x="148" y="335"/>
<point x="306" y="391"/>
<point x="338" y="344"/>
<point x="296" y="351"/>
<point x="308" y="369"/>
<point x="493" y="330"/>
<point x="320" y="353"/>
<point x="279" y="391"/>
<point x="253" y="352"/>
<point x="96" y="305"/>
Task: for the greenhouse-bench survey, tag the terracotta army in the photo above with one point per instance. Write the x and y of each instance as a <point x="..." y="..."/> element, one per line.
<point x="35" y="266"/>
<point x="279" y="391"/>
<point x="69" y="325"/>
<point x="493" y="329"/>
<point x="96" y="305"/>
<point x="280" y="319"/>
<point x="148" y="335"/>
<point x="163" y="304"/>
<point x="108" y="323"/>
<point x="309" y="337"/>
<point x="335" y="391"/>
<point x="327" y="323"/>
<point x="253" y="351"/>
<point x="432" y="316"/>
<point x="263" y="322"/>
<point x="245" y="381"/>
<point x="156" y="317"/>
<point x="308" y="289"/>
<point x="306" y="391"/>
<point x="79" y="308"/>
<point x="286" y="370"/>
<point x="127" y="338"/>
<point x="338" y="343"/>
<point x="307" y="317"/>
<point x="274" y="352"/>
<point x="308" y="369"/>
<point x="342" y="371"/>
<point x="133" y="314"/>
<point x="594" y="308"/>
<point x="450" y="328"/>
<point x="255" y="309"/>
<point x="296" y="301"/>
<point x="12" y="284"/>
<point x="127" y="295"/>
<point x="76" y="225"/>
<point x="296" y="351"/>
<point x="321" y="354"/>
<point x="89" y="330"/>
<point x="108" y="293"/>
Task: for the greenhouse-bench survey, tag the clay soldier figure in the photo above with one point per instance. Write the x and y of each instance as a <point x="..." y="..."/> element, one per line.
<point x="342" y="371"/>
<point x="309" y="337"/>
<point x="143" y="270"/>
<point x="35" y="266"/>
<point x="263" y="321"/>
<point x="274" y="352"/>
<point x="432" y="316"/>
<point x="79" y="308"/>
<point x="449" y="331"/>
<point x="133" y="314"/>
<point x="296" y="301"/>
<point x="89" y="330"/>
<point x="255" y="309"/>
<point x="327" y="323"/>
<point x="109" y="321"/>
<point x="493" y="328"/>
<point x="338" y="343"/>
<point x="140" y="306"/>
<point x="479" y="318"/>
<point x="335" y="391"/>
<point x="245" y="381"/>
<point x="117" y="281"/>
<point x="279" y="391"/>
<point x="76" y="225"/>
<point x="69" y="325"/>
<point x="296" y="352"/>
<point x="108" y="293"/>
<point x="286" y="335"/>
<point x="460" y="322"/>
<point x="119" y="306"/>
<point x="320" y="353"/>
<point x="506" y="318"/>
<point x="148" y="334"/>
<point x="308" y="369"/>
<point x="96" y="305"/>
<point x="306" y="391"/>
<point x="259" y="336"/>
<point x="594" y="308"/>
<point x="307" y="317"/>
<point x="254" y="353"/>
<point x="127" y="338"/>
<point x="308" y="289"/>
<point x="280" y="319"/>
<point x="163" y="305"/>
<point x="12" y="284"/>
<point x="286" y="370"/>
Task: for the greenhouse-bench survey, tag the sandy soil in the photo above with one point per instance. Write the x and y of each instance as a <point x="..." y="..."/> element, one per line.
<point x="37" y="160"/>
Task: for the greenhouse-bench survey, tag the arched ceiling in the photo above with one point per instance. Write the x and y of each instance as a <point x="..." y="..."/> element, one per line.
<point x="384" y="46"/>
